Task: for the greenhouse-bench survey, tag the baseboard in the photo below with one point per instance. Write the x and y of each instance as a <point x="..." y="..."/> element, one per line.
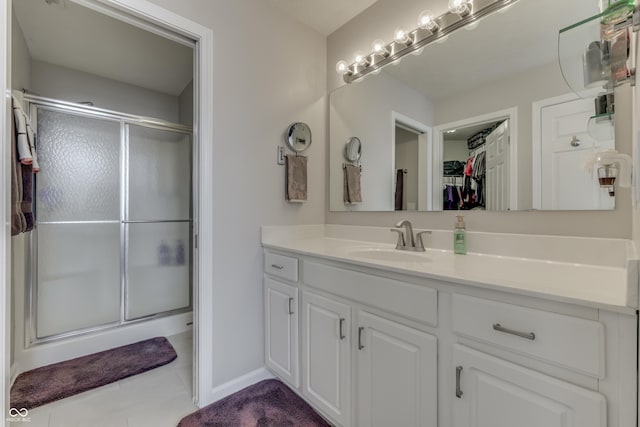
<point x="234" y="385"/>
<point x="14" y="373"/>
<point x="81" y="345"/>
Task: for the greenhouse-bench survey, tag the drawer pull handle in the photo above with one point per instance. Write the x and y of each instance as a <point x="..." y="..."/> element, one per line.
<point x="360" y="345"/>
<point x="459" y="392"/>
<point x="290" y="306"/>
<point x="341" y="327"/>
<point x="527" y="335"/>
<point x="277" y="267"/>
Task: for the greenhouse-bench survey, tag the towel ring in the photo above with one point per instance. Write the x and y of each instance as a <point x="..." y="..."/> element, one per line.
<point x="353" y="149"/>
<point x="298" y="137"/>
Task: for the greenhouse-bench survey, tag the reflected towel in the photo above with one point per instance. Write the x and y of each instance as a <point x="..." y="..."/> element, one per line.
<point x="352" y="193"/>
<point x="296" y="179"/>
<point x="18" y="222"/>
<point x="399" y="189"/>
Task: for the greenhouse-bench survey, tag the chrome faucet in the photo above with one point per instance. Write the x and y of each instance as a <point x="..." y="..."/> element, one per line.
<point x="406" y="241"/>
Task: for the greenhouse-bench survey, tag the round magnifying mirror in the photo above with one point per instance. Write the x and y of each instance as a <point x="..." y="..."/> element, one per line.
<point x="353" y="149"/>
<point x="298" y="137"/>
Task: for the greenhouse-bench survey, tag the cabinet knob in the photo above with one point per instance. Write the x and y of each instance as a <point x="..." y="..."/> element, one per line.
<point x="360" y="331"/>
<point x="341" y="328"/>
<point x="575" y="142"/>
<point x="290" y="306"/>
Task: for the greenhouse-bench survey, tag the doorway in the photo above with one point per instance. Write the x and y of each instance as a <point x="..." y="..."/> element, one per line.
<point x="157" y="20"/>
<point x="562" y="141"/>
<point x="475" y="163"/>
<point x="411" y="145"/>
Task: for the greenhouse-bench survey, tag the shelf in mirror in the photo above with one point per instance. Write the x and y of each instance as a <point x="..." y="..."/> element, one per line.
<point x="595" y="53"/>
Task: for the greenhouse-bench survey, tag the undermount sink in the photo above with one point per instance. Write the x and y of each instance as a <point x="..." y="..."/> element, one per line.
<point x="390" y="255"/>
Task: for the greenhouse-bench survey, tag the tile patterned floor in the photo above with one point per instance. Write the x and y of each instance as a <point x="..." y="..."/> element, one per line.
<point x="157" y="398"/>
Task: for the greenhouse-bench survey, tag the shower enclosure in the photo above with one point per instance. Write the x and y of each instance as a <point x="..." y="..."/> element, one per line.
<point x="113" y="236"/>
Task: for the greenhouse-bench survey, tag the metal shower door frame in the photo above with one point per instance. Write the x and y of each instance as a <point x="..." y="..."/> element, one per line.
<point x="125" y="121"/>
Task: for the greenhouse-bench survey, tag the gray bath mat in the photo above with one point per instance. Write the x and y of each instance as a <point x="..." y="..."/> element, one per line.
<point x="268" y="403"/>
<point x="53" y="382"/>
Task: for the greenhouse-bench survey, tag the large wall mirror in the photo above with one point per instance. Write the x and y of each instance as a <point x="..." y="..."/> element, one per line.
<point x="483" y="120"/>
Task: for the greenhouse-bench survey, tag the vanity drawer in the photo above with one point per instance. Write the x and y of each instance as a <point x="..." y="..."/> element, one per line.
<point x="570" y="342"/>
<point x="281" y="266"/>
<point x="408" y="300"/>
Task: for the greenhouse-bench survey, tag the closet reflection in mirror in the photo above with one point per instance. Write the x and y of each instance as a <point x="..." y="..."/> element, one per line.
<point x="505" y="71"/>
<point x="476" y="167"/>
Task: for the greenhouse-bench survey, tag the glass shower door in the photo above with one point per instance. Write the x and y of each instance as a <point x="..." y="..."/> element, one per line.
<point x="157" y="222"/>
<point x="78" y="221"/>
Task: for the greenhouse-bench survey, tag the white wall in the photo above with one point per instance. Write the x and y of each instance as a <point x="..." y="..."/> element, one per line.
<point x="455" y="150"/>
<point x="20" y="59"/>
<point x="269" y="71"/>
<point x="365" y="110"/>
<point x="53" y="81"/>
<point x="379" y="20"/>
<point x="185" y="101"/>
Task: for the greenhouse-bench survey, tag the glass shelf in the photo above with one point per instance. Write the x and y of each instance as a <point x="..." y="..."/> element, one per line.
<point x="601" y="127"/>
<point x="596" y="54"/>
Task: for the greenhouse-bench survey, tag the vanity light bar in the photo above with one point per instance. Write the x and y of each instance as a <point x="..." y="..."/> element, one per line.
<point x="429" y="31"/>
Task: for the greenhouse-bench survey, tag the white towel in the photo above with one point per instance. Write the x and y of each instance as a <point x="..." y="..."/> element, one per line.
<point x="25" y="142"/>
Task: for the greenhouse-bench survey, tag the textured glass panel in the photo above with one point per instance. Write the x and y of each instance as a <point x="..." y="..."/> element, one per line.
<point x="158" y="268"/>
<point x="78" y="276"/>
<point x="159" y="174"/>
<point x="80" y="168"/>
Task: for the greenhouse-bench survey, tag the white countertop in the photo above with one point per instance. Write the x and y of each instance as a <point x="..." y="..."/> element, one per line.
<point x="612" y="287"/>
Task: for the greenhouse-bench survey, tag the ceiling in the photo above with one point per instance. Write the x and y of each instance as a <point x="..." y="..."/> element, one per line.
<point x="69" y="35"/>
<point x="464" y="133"/>
<point x="324" y="16"/>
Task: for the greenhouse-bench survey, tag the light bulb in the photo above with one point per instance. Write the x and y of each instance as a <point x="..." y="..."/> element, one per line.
<point x="460" y="7"/>
<point x="360" y="58"/>
<point x="379" y="48"/>
<point x="401" y="36"/>
<point x="342" y="67"/>
<point x="426" y="22"/>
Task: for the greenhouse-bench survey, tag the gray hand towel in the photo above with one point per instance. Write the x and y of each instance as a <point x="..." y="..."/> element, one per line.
<point x="399" y="196"/>
<point x="352" y="193"/>
<point x="296" y="179"/>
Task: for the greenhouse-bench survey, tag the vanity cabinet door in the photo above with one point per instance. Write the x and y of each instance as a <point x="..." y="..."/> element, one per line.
<point x="281" y="330"/>
<point x="490" y="392"/>
<point x="326" y="356"/>
<point x="397" y="374"/>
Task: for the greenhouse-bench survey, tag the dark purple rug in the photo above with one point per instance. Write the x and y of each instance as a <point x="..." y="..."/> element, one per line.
<point x="53" y="382"/>
<point x="268" y="403"/>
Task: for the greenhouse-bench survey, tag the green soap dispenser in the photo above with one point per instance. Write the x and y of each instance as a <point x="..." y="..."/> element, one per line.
<point x="460" y="236"/>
